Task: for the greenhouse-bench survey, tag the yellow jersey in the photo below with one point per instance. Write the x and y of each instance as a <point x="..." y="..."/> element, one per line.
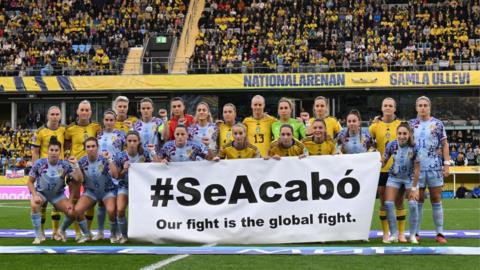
<point x="259" y="132"/>
<point x="383" y="133"/>
<point x="225" y="135"/>
<point x="78" y="134"/>
<point x="120" y="125"/>
<point x="42" y="136"/>
<point x="230" y="152"/>
<point x="333" y="126"/>
<point x="296" y="149"/>
<point x="327" y="147"/>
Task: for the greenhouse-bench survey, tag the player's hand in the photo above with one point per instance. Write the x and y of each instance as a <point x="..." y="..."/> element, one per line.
<point x="413" y="195"/>
<point x="276" y="157"/>
<point x="164" y="161"/>
<point x="302" y="156"/>
<point x="219" y="122"/>
<point x="216" y="159"/>
<point x="446" y="171"/>
<point x="106" y="155"/>
<point x="126" y="165"/>
<point x="128" y="124"/>
<point x="151" y="148"/>
<point x="206" y="141"/>
<point x="162" y="113"/>
<point x="72" y="160"/>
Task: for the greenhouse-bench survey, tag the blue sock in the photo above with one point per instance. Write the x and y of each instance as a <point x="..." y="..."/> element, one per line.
<point x="67" y="221"/>
<point x="113" y="228"/>
<point x="37" y="223"/>
<point x="122" y="225"/>
<point x="392" y="219"/>
<point x="420" y="216"/>
<point x="84" y="227"/>
<point x="101" y="218"/>
<point x="413" y="216"/>
<point x="437" y="211"/>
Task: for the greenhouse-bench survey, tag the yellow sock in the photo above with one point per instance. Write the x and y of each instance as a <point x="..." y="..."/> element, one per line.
<point x="383" y="219"/>
<point x="55" y="220"/>
<point x="401" y="215"/>
<point x="89" y="216"/>
<point x="44" y="216"/>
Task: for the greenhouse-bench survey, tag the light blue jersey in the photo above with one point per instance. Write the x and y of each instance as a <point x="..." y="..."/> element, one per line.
<point x="428" y="137"/>
<point x="191" y="151"/>
<point x="97" y="181"/>
<point x="112" y="142"/>
<point x="148" y="132"/>
<point x="403" y="160"/>
<point x="197" y="133"/>
<point x="354" y="144"/>
<point x="50" y="179"/>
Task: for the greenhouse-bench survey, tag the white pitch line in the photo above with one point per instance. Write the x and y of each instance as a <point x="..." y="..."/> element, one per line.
<point x="168" y="261"/>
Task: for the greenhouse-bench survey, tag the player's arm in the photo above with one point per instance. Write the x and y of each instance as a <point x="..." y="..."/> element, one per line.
<point x="446" y="158"/>
<point x="76" y="174"/>
<point x="35" y="153"/>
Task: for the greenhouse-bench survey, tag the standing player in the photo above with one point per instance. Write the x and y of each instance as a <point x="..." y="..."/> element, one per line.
<point x="134" y="153"/>
<point x="178" y="116"/>
<point x="47" y="182"/>
<point x="353" y="139"/>
<point x="123" y="121"/>
<point x="148" y="125"/>
<point x="259" y="126"/>
<point x="286" y="145"/>
<point x="319" y="143"/>
<point x="98" y="185"/>
<point x="204" y="131"/>
<point x="404" y="171"/>
<point x="382" y="131"/>
<point x="321" y="111"/>
<point x="183" y="149"/>
<point x="239" y="147"/>
<point x="285" y="109"/>
<point x="432" y="144"/>
<point x="40" y="142"/>
<point x="225" y="129"/>
<point x="111" y="141"/>
<point x="75" y="134"/>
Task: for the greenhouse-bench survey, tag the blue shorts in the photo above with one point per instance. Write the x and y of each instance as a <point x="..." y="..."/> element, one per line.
<point x="52" y="198"/>
<point x="430" y="179"/>
<point x="122" y="190"/>
<point x="398" y="182"/>
<point x="99" y="196"/>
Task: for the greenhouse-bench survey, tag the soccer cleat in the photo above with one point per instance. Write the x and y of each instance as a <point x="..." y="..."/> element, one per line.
<point x="99" y="236"/>
<point x="123" y="240"/>
<point x="114" y="240"/>
<point x="78" y="236"/>
<point x="391" y="239"/>
<point x="83" y="239"/>
<point x="37" y="241"/>
<point x="56" y="236"/>
<point x="63" y="236"/>
<point x="417" y="236"/>
<point x="42" y="237"/>
<point x="440" y="239"/>
<point x="413" y="240"/>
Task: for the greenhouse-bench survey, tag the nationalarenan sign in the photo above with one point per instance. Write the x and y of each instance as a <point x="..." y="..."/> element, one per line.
<point x="254" y="201"/>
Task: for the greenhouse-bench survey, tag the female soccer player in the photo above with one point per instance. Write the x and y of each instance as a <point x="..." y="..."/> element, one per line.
<point x="404" y="171"/>
<point x="225" y="129"/>
<point x="259" y="126"/>
<point x="123" y="121"/>
<point x="98" y="185"/>
<point x="321" y="111"/>
<point x="75" y="134"/>
<point x="239" y="147"/>
<point x="432" y="144"/>
<point x="111" y="141"/>
<point x="353" y="139"/>
<point x="148" y="125"/>
<point x="383" y="131"/>
<point x="183" y="149"/>
<point x="285" y="109"/>
<point x="204" y="130"/>
<point x="319" y="143"/>
<point x="40" y="142"/>
<point x="286" y="145"/>
<point x="47" y="183"/>
<point x="134" y="153"/>
<point x="178" y="116"/>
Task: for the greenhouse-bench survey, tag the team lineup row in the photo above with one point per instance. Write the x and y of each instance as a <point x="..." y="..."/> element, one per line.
<point x="99" y="158"/>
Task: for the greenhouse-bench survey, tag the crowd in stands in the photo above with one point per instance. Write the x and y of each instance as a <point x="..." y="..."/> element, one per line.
<point x="15" y="149"/>
<point x="331" y="35"/>
<point x="465" y="147"/>
<point x="79" y="37"/>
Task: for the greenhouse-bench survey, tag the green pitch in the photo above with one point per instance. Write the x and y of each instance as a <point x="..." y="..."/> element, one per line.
<point x="459" y="215"/>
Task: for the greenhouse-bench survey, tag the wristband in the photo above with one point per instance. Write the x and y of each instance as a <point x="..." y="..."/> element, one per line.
<point x="446" y="162"/>
<point x="414" y="188"/>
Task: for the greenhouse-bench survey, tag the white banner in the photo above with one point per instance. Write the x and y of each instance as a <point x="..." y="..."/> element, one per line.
<point x="254" y="201"/>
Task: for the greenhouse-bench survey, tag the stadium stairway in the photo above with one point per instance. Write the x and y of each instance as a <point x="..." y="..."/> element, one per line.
<point x="190" y="31"/>
<point x="133" y="64"/>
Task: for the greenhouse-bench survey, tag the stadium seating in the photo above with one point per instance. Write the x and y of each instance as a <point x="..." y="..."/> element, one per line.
<point x="326" y="35"/>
